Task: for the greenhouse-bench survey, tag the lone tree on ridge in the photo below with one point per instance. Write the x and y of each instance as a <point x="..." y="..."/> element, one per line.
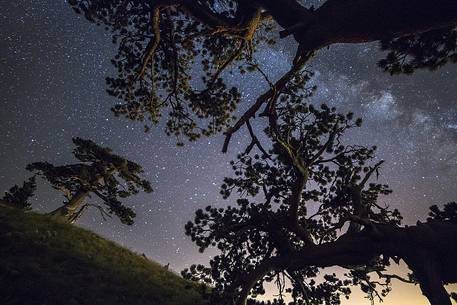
<point x="100" y="172"/>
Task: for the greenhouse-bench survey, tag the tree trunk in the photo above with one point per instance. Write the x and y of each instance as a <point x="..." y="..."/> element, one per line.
<point x="357" y="21"/>
<point x="71" y="208"/>
<point x="428" y="249"/>
<point x="427" y="270"/>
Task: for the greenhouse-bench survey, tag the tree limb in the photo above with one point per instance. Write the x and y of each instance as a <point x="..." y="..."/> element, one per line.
<point x="264" y="98"/>
<point x="153" y="43"/>
<point x="394" y="276"/>
<point x="255" y="141"/>
<point x="359" y="249"/>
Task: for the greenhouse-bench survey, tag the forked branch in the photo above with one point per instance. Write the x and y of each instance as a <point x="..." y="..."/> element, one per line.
<point x="269" y="96"/>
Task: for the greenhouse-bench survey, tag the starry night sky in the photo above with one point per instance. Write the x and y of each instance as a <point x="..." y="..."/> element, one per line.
<point x="52" y="69"/>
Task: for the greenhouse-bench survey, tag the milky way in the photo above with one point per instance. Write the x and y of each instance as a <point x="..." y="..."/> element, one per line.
<point x="52" y="69"/>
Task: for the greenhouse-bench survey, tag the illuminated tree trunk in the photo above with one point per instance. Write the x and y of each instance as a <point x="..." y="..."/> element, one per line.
<point x="68" y="210"/>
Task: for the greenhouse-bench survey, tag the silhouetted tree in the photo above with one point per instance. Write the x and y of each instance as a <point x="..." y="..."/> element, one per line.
<point x="312" y="202"/>
<point x="108" y="176"/>
<point x="302" y="192"/>
<point x="18" y="196"/>
<point x="163" y="43"/>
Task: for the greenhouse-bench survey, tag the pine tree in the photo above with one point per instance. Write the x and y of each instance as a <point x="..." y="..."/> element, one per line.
<point x="162" y="45"/>
<point x="274" y="232"/>
<point x="312" y="202"/>
<point x="100" y="172"/>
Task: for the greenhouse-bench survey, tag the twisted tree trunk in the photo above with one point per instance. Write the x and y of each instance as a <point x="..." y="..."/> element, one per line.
<point x="68" y="210"/>
<point x="428" y="249"/>
<point x="428" y="270"/>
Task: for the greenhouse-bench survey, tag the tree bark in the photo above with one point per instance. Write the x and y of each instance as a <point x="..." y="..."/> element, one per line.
<point x="428" y="249"/>
<point x="358" y="21"/>
<point x="427" y="269"/>
<point x="69" y="209"/>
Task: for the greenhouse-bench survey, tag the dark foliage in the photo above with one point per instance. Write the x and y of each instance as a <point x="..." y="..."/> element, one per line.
<point x="429" y="50"/>
<point x="160" y="47"/>
<point x="174" y="57"/>
<point x="101" y="172"/>
<point x="448" y="213"/>
<point x="18" y="196"/>
<point x="300" y="194"/>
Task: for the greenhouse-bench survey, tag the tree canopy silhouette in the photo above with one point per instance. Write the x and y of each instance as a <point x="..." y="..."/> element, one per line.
<point x="18" y="196"/>
<point x="310" y="201"/>
<point x="173" y="54"/>
<point x="100" y="172"/>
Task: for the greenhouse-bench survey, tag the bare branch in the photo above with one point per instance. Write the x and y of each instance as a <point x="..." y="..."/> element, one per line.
<point x="369" y="173"/>
<point x="269" y="95"/>
<point x="153" y="43"/>
<point x="255" y="141"/>
<point x="394" y="276"/>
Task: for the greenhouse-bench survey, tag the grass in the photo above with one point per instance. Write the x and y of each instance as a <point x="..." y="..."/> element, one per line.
<point x="46" y="262"/>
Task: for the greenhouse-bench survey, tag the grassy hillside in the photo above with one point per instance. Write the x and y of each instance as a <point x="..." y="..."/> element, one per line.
<point x="46" y="262"/>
